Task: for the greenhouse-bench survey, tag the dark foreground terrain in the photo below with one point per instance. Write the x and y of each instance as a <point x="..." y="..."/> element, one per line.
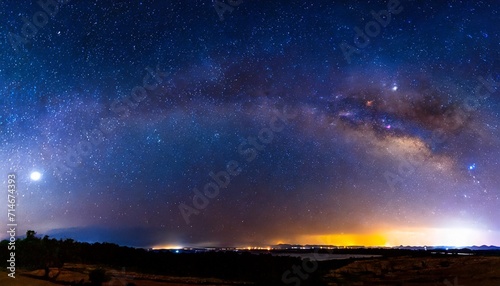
<point x="403" y="271"/>
<point x="45" y="261"/>
<point x="408" y="271"/>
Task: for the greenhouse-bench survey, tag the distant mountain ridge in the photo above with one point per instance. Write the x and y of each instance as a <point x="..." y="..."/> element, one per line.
<point x="408" y="247"/>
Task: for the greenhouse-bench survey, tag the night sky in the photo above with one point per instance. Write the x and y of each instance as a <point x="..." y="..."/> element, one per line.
<point x="252" y="123"/>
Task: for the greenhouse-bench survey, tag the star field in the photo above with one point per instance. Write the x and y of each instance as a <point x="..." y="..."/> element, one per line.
<point x="113" y="115"/>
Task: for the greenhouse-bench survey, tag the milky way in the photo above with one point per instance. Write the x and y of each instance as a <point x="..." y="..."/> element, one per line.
<point x="160" y="123"/>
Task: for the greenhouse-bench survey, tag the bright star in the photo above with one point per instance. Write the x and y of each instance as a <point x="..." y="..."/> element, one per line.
<point x="472" y="167"/>
<point x="35" y="176"/>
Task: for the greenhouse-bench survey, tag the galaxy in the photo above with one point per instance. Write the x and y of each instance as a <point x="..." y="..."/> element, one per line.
<point x="253" y="123"/>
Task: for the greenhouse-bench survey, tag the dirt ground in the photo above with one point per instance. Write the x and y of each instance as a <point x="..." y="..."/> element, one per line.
<point x="73" y="273"/>
<point x="422" y="271"/>
<point x="400" y="271"/>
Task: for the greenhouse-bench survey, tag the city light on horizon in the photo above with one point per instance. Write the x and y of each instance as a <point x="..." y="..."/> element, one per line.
<point x="430" y="237"/>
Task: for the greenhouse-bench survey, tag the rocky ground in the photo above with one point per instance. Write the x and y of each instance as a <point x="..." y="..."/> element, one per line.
<point x="425" y="271"/>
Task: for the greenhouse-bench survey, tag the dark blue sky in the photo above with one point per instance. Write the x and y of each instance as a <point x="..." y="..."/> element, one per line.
<point x="345" y="122"/>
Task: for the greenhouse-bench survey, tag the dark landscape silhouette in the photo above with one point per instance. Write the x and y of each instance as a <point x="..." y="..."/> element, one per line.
<point x="106" y="261"/>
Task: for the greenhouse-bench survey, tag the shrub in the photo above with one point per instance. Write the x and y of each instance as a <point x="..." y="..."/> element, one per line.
<point x="98" y="276"/>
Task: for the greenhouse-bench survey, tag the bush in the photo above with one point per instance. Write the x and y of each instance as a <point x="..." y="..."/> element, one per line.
<point x="98" y="276"/>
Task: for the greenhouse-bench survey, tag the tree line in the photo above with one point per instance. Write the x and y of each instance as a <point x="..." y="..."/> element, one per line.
<point x="45" y="253"/>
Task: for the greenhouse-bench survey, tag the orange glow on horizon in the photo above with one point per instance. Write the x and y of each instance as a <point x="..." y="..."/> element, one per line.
<point x="383" y="237"/>
<point x="350" y="239"/>
<point x="409" y="236"/>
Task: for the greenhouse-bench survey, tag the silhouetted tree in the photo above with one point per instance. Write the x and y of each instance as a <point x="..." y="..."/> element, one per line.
<point x="30" y="235"/>
<point x="265" y="269"/>
<point x="36" y="253"/>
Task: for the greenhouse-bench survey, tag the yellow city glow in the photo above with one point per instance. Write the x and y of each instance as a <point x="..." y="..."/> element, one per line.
<point x="344" y="239"/>
<point x="458" y="236"/>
